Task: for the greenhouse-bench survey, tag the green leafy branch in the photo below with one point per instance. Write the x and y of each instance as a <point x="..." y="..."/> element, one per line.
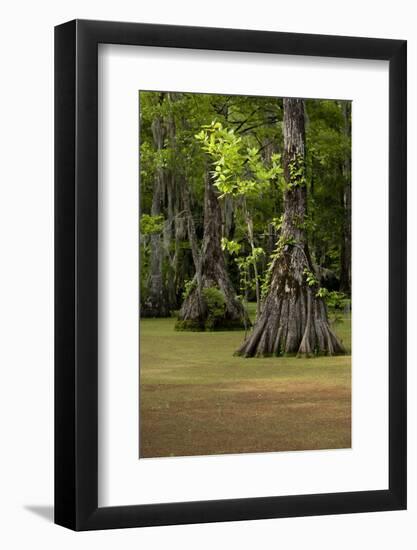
<point x="238" y="170"/>
<point x="150" y="225"/>
<point x="297" y="173"/>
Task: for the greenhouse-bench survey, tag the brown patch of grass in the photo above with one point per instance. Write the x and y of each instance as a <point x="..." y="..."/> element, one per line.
<point x="197" y="399"/>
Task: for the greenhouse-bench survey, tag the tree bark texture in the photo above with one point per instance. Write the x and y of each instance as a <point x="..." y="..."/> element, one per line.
<point x="346" y="254"/>
<point x="156" y="302"/>
<point x="211" y="273"/>
<point x="294" y="318"/>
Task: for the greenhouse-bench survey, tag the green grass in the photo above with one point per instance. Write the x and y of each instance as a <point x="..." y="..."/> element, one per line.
<point x="197" y="398"/>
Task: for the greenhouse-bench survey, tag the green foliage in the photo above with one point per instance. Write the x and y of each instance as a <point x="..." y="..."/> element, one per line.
<point x="310" y="278"/>
<point x="337" y="300"/>
<point x="240" y="172"/>
<point x="241" y="136"/>
<point x="244" y="264"/>
<point x="215" y="303"/>
<point x="334" y="299"/>
<point x="189" y="326"/>
<point x="256" y="253"/>
<point x="189" y="287"/>
<point x="151" y="224"/>
<point x="266" y="281"/>
<point x="322" y="292"/>
<point x="297" y="173"/>
<point x="238" y="169"/>
<point x="328" y="153"/>
<point x="232" y="247"/>
<point x="283" y="242"/>
<point x="277" y="222"/>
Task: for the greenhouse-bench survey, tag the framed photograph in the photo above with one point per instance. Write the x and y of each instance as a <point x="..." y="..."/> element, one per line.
<point x="230" y="254"/>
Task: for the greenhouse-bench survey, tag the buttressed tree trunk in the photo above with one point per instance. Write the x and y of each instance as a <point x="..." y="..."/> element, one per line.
<point x="294" y="317"/>
<point x="198" y="311"/>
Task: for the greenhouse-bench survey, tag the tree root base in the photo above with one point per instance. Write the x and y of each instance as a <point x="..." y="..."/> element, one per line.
<point x="208" y="326"/>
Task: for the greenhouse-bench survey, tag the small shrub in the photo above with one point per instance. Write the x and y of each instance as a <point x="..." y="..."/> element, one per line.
<point x="216" y="305"/>
<point x="189" y="286"/>
<point x="337" y="300"/>
<point x="192" y="326"/>
<point x="150" y="225"/>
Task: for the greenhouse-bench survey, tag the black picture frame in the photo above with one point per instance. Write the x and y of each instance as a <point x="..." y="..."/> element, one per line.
<point x="76" y="272"/>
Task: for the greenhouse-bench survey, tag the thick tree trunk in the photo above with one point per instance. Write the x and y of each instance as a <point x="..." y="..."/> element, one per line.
<point x="228" y="218"/>
<point x="346" y="256"/>
<point x="156" y="303"/>
<point x="249" y="225"/>
<point x="294" y="318"/>
<point x="181" y="264"/>
<point x="192" y="237"/>
<point x="211" y="273"/>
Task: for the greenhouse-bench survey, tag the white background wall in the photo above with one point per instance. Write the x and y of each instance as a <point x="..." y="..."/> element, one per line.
<point x="26" y="274"/>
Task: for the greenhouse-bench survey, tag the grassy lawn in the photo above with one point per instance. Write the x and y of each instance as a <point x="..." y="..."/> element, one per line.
<point x="198" y="399"/>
